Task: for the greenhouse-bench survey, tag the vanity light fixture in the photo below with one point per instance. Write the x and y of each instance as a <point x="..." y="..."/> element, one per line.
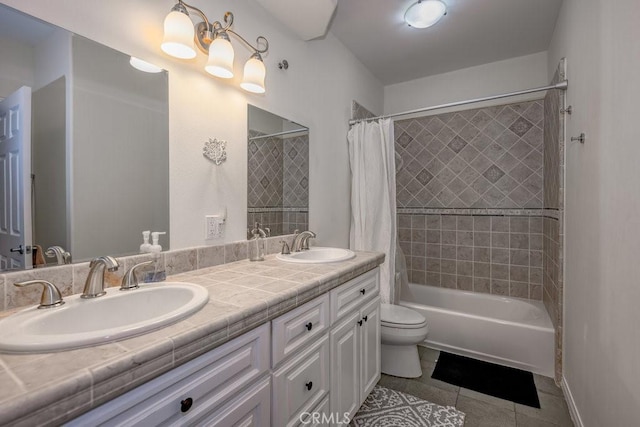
<point x="181" y="37"/>
<point x="425" y="13"/>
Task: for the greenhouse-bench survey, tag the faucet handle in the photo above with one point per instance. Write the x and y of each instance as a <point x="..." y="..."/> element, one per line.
<point x="50" y="293"/>
<point x="285" y="248"/>
<point x="130" y="280"/>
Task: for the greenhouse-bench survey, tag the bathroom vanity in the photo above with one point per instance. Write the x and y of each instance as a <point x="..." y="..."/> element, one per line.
<point x="276" y="343"/>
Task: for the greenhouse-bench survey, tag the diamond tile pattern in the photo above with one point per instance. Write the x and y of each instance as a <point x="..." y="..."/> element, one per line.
<point x="359" y="112"/>
<point x="483" y="158"/>
<point x="278" y="177"/>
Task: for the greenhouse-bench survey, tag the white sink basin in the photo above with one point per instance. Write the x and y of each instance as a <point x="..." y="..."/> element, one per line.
<point x="116" y="315"/>
<point x="318" y="255"/>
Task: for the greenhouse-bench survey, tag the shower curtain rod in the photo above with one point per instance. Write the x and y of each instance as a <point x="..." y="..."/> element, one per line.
<point x="286" y="132"/>
<point x="560" y="85"/>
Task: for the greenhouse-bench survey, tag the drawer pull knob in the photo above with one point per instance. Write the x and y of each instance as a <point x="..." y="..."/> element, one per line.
<point x="365" y="318"/>
<point x="362" y="291"/>
<point x="185" y="405"/>
<point x="309" y="385"/>
<point x="309" y="326"/>
<point x="360" y="322"/>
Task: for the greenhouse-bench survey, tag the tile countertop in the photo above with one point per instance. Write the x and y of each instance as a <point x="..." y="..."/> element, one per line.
<point x="51" y="388"/>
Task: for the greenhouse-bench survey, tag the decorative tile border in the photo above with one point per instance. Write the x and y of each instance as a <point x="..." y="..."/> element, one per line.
<point x="547" y="213"/>
<point x="277" y="209"/>
<point x="70" y="279"/>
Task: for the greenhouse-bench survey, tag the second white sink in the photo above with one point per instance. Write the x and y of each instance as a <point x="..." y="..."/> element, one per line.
<point x="116" y="315"/>
<point x="318" y="255"/>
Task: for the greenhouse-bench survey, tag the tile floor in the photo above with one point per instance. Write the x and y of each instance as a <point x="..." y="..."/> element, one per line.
<point x="481" y="409"/>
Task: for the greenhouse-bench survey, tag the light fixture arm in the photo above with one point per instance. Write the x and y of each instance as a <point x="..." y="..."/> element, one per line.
<point x="256" y="48"/>
<point x="206" y="32"/>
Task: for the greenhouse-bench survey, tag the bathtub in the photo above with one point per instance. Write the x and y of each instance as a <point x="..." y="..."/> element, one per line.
<point x="507" y="331"/>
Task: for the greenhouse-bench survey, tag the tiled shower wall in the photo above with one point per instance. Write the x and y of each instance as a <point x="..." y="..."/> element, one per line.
<point x="492" y="254"/>
<point x="470" y="198"/>
<point x="278" y="183"/>
<point x="553" y="244"/>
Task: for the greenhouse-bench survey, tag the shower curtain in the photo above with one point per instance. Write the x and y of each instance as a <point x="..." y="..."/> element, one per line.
<point x="373" y="196"/>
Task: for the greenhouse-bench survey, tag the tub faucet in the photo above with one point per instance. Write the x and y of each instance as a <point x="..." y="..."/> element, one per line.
<point x="301" y="241"/>
<point x="94" y="286"/>
<point x="62" y="256"/>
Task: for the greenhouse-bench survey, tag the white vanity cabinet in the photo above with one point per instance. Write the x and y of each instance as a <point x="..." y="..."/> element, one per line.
<point x="355" y="342"/>
<point x="307" y="367"/>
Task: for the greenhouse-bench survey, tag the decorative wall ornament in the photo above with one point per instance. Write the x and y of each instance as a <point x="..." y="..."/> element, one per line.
<point x="215" y="150"/>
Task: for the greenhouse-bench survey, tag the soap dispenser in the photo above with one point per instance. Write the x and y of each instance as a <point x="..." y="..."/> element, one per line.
<point x="145" y="247"/>
<point x="256" y="244"/>
<point x="155" y="237"/>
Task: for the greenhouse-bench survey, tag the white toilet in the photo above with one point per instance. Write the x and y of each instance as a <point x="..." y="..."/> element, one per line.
<point x="402" y="330"/>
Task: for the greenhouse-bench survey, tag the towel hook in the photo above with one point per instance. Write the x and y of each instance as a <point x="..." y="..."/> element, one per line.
<point x="580" y="138"/>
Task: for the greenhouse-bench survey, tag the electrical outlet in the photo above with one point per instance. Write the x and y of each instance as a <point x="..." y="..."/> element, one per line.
<point x="214" y="227"/>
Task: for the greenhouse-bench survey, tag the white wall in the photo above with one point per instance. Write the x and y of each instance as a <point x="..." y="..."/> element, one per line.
<point x="510" y="75"/>
<point x="316" y="91"/>
<point x="599" y="38"/>
<point x="17" y="59"/>
<point x="119" y="183"/>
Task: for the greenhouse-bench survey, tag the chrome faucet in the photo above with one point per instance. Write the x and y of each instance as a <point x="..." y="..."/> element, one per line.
<point x="94" y="286"/>
<point x="130" y="280"/>
<point x="62" y="256"/>
<point x="263" y="232"/>
<point x="301" y="241"/>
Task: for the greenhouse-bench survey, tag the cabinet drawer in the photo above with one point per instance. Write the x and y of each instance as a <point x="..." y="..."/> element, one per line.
<point x="250" y="409"/>
<point x="349" y="297"/>
<point x="208" y="381"/>
<point x="297" y="328"/>
<point x="318" y="416"/>
<point x="300" y="384"/>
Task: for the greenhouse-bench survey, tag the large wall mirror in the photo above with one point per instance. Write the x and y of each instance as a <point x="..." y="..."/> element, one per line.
<point x="278" y="173"/>
<point x="84" y="146"/>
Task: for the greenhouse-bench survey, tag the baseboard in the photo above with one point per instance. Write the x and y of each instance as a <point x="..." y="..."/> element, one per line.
<point x="573" y="410"/>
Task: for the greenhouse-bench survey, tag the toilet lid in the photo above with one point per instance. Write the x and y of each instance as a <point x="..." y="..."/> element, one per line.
<point x="397" y="315"/>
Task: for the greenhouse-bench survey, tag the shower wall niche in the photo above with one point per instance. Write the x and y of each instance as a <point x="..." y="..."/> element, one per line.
<point x="470" y="198"/>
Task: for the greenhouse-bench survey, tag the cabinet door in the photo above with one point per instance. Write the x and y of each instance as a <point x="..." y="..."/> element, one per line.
<point x="369" y="347"/>
<point x="300" y="383"/>
<point x="345" y="366"/>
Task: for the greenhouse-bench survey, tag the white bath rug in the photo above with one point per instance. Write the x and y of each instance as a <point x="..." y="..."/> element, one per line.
<point x="390" y="408"/>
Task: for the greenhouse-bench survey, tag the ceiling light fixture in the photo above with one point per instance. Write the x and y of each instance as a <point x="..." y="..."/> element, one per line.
<point x="181" y="37"/>
<point x="424" y="14"/>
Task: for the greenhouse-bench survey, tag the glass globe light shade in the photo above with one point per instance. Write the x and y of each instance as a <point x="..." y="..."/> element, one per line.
<point x="254" y="74"/>
<point x="178" y="36"/>
<point x="424" y="14"/>
<point x="220" y="62"/>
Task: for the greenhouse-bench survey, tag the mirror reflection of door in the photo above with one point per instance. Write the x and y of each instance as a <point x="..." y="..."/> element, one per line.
<point x="15" y="180"/>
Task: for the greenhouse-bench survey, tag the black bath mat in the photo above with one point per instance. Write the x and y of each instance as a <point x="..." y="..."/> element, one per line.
<point x="506" y="383"/>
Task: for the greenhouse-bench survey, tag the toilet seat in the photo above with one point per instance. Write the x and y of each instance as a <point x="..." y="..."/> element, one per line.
<point x="395" y="316"/>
